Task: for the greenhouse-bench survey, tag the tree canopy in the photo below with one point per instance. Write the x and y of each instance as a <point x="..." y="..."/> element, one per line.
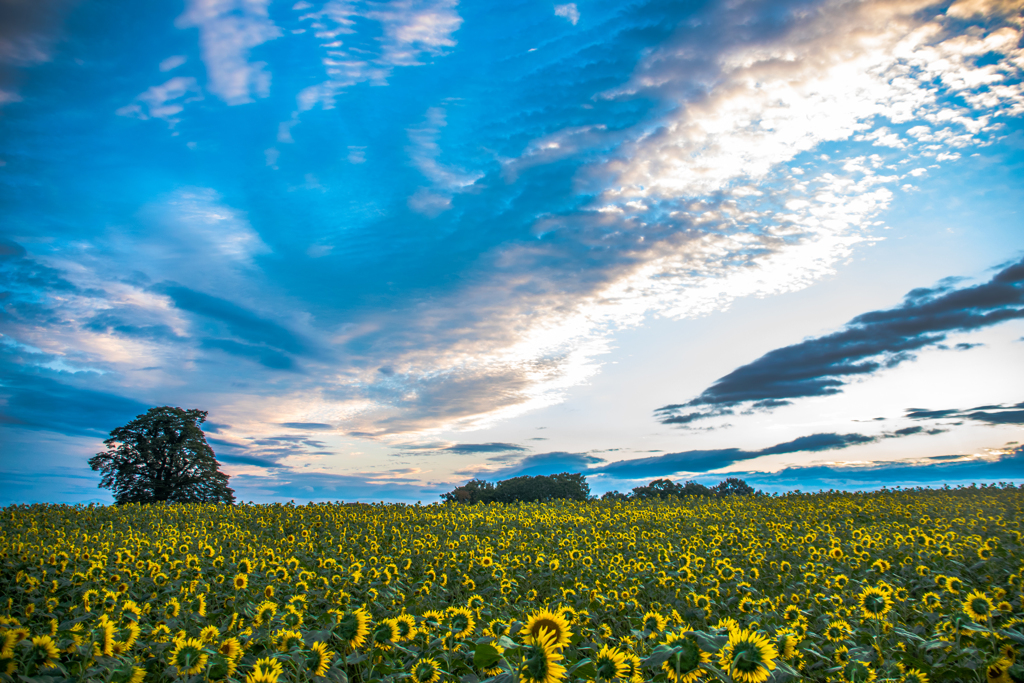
<point x="162" y="456"/>
<point x="564" y="485"/>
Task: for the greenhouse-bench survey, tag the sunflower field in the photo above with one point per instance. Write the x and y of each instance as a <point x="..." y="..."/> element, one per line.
<point x="909" y="586"/>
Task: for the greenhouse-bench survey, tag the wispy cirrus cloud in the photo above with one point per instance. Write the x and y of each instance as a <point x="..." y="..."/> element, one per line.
<point x="424" y="152"/>
<point x="412" y="30"/>
<point x="164" y="101"/>
<point x="989" y="414"/>
<point x="868" y="344"/>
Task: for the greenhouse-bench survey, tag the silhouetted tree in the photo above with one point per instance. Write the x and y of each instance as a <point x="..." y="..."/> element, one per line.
<point x="162" y="456"/>
<point x="615" y="495"/>
<point x="733" y="487"/>
<point x="473" y="491"/>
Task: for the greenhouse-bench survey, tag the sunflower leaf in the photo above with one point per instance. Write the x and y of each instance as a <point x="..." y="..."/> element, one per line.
<point x="485" y="656"/>
<point x="508" y="643"/>
<point x="786" y="669"/>
<point x="721" y="675"/>
<point x="659" y="656"/>
<point x="583" y="662"/>
<point x="710" y="643"/>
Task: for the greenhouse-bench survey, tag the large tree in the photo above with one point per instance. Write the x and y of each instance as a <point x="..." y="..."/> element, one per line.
<point x="162" y="456"/>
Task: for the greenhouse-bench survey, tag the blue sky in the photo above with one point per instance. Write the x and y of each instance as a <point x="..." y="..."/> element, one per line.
<point x="391" y="246"/>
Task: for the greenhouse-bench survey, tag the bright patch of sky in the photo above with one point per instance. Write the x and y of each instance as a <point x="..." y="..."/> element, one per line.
<point x="390" y="246"/>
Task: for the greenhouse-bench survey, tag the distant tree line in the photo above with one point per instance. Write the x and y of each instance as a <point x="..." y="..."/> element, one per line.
<point x="523" y="489"/>
<point x="574" y="486"/>
<point x="663" y="488"/>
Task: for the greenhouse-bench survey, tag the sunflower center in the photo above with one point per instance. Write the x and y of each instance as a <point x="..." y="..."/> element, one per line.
<point x="548" y="624"/>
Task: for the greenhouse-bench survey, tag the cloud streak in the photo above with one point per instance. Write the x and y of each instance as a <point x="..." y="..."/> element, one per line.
<point x="868" y="344"/>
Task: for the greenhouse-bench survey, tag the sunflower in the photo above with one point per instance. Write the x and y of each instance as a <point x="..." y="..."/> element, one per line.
<point x="320" y="659"/>
<point x="610" y="663"/>
<point x="838" y="630"/>
<point x="914" y="676"/>
<point x="996" y="673"/>
<point x="44" y="653"/>
<point x="105" y="646"/>
<point x="653" y="623"/>
<point x="683" y="665"/>
<point x="265" y="613"/>
<point x="931" y="600"/>
<point x="497" y="628"/>
<point x="841" y="655"/>
<point x="546" y="620"/>
<point x="432" y="619"/>
<point x="265" y="670"/>
<point x="785" y="642"/>
<point x="541" y="658"/>
<point x="353" y="627"/>
<point x="634" y="673"/>
<point x="230" y="648"/>
<point x="874" y="603"/>
<point x="460" y="621"/>
<point x="406" y="624"/>
<point x="728" y="624"/>
<point x="286" y="639"/>
<point x="748" y="657"/>
<point x="977" y="606"/>
<point x="209" y="634"/>
<point x="128" y="635"/>
<point x="426" y="670"/>
<point x="292" y="617"/>
<point x="241" y="581"/>
<point x="384" y="634"/>
<point x="172" y="608"/>
<point x="221" y="667"/>
<point x="188" y="656"/>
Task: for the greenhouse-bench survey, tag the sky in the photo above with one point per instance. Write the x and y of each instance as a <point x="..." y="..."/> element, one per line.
<point x="393" y="246"/>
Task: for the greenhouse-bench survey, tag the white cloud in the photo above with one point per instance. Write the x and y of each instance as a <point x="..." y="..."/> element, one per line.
<point x="698" y="206"/>
<point x="173" y="62"/>
<point x="164" y="101"/>
<point x="356" y="154"/>
<point x="568" y="11"/>
<point x="228" y="30"/>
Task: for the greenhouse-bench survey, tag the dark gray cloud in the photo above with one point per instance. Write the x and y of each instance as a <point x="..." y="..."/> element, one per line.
<point x="704" y="460"/>
<point x="539" y="464"/>
<point x="239" y="321"/>
<point x="990" y="414"/>
<point x="311" y="426"/>
<point x="28" y="31"/>
<point x="110" y="322"/>
<point x="867" y="344"/>
<point x="934" y="471"/>
<point x="37" y="401"/>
